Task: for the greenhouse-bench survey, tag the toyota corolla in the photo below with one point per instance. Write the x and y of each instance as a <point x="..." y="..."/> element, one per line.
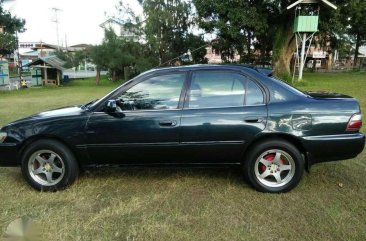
<point x="195" y="116"/>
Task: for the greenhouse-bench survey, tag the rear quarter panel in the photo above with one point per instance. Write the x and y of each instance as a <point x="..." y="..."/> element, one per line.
<point x="319" y="124"/>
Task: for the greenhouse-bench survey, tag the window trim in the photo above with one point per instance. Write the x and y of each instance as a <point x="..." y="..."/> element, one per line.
<point x="188" y="88"/>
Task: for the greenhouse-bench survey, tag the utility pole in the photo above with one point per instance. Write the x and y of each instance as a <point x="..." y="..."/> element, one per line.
<point x="57" y="22"/>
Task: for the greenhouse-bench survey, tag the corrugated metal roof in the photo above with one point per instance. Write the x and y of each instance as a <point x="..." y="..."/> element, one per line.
<point x="52" y="61"/>
<point x="30" y="53"/>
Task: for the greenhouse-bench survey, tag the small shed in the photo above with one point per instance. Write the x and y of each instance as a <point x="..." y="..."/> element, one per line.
<point x="49" y="68"/>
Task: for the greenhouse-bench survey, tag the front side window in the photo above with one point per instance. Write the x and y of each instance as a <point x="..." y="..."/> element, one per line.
<point x="156" y="93"/>
<point x="222" y="89"/>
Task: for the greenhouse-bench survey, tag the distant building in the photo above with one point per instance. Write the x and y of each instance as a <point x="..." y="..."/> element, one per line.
<point x="28" y="57"/>
<point x="77" y="47"/>
<point x="122" y="30"/>
<point x="45" y="49"/>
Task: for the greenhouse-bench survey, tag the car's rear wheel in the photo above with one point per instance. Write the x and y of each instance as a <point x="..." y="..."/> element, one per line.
<point x="274" y="166"/>
<point x="48" y="165"/>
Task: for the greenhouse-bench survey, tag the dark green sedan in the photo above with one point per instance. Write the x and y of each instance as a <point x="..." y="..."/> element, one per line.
<point x="196" y="116"/>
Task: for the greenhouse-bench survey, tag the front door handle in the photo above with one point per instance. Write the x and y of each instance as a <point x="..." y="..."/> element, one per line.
<point x="168" y="123"/>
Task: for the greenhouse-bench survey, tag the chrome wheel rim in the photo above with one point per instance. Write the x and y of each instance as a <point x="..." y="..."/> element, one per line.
<point x="274" y="168"/>
<point x="46" y="167"/>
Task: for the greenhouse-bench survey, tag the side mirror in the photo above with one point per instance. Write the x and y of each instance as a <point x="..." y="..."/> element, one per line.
<point x="111" y="106"/>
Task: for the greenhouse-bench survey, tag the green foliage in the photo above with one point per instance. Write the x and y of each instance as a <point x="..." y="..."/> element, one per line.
<point x="116" y="53"/>
<point x="239" y="25"/>
<point x="165" y="26"/>
<point x="197" y="46"/>
<point x="10" y="25"/>
<point x="8" y="43"/>
<point x="73" y="59"/>
<point x="354" y="17"/>
<point x="167" y="30"/>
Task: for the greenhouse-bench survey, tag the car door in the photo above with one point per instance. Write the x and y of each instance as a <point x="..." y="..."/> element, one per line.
<point x="223" y="111"/>
<point x="144" y="130"/>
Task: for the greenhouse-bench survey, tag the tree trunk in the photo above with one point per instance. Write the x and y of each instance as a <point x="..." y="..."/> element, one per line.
<point x="314" y="65"/>
<point x="330" y="61"/>
<point x="126" y="72"/>
<point x="358" y="43"/>
<point x="249" y="44"/>
<point x="114" y="75"/>
<point x="97" y="78"/>
<point x="284" y="47"/>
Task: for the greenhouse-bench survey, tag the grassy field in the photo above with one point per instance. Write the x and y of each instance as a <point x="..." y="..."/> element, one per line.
<point x="169" y="204"/>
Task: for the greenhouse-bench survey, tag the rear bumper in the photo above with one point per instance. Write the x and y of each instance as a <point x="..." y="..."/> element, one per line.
<point x="334" y="147"/>
<point x="8" y="155"/>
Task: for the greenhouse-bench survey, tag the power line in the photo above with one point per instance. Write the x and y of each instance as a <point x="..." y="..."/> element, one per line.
<point x="192" y="51"/>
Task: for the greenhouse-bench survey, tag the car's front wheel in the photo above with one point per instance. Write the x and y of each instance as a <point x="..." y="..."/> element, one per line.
<point x="274" y="166"/>
<point x="48" y="165"/>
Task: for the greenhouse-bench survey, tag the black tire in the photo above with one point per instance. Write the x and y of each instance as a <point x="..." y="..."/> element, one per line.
<point x="274" y="166"/>
<point x="49" y="165"/>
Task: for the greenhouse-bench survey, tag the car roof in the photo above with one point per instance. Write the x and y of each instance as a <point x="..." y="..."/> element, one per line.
<point x="265" y="71"/>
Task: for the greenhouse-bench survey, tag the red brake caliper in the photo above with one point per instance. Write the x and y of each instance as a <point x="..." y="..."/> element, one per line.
<point x="270" y="157"/>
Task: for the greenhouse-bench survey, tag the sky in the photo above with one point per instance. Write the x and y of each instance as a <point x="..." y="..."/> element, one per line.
<point x="79" y="20"/>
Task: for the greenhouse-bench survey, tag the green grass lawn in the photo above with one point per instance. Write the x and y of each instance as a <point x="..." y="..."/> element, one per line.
<point x="171" y="204"/>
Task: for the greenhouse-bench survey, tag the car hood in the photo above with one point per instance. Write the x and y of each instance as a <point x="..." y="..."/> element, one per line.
<point x="60" y="112"/>
<point x="326" y="95"/>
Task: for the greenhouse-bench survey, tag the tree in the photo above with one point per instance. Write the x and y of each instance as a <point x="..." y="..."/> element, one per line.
<point x="98" y="55"/>
<point x="10" y="26"/>
<point x="236" y="25"/>
<point x="167" y="28"/>
<point x="73" y="59"/>
<point x="118" y="54"/>
<point x="354" y="17"/>
<point x="197" y="46"/>
<point x="266" y="26"/>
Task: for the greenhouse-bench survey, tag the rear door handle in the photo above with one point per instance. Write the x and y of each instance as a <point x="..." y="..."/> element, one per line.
<point x="168" y="123"/>
<point x="254" y="119"/>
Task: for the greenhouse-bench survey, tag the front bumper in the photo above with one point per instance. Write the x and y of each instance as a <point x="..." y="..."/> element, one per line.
<point x="334" y="147"/>
<point x="8" y="155"/>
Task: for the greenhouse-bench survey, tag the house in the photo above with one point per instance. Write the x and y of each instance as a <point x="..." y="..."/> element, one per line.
<point x="44" y="49"/>
<point x="126" y="30"/>
<point x="78" y="47"/>
<point x="214" y="56"/>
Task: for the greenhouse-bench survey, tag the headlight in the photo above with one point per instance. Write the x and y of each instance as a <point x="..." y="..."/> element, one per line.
<point x="3" y="135"/>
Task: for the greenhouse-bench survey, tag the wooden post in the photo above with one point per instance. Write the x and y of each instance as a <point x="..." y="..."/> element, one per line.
<point x="45" y="74"/>
<point x="58" y="78"/>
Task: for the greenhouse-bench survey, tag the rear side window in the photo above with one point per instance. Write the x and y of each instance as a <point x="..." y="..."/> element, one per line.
<point x="222" y="89"/>
<point x="281" y="91"/>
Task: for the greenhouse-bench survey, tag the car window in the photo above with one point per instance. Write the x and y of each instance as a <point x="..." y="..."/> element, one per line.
<point x="254" y="95"/>
<point x="222" y="89"/>
<point x="281" y="91"/>
<point x="156" y="93"/>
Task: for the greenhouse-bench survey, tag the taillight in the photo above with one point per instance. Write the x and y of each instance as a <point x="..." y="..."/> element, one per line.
<point x="355" y="123"/>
